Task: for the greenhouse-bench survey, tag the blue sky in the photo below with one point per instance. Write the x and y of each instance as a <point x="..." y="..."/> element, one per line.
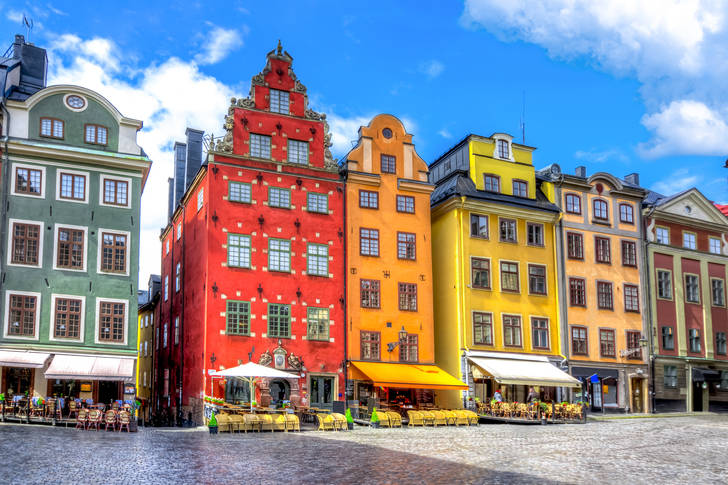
<point x="619" y="86"/>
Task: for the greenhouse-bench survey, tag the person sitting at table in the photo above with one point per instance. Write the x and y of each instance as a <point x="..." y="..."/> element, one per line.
<point x="498" y="396"/>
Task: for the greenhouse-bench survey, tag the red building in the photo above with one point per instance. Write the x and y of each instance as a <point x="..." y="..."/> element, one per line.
<point x="253" y="259"/>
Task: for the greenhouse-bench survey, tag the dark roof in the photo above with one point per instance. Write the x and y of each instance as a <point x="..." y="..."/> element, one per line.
<point x="459" y="184"/>
<point x="655" y="199"/>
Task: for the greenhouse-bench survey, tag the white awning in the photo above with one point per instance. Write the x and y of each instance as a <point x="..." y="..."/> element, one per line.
<point x="23" y="358"/>
<point x="531" y="372"/>
<point x="88" y="367"/>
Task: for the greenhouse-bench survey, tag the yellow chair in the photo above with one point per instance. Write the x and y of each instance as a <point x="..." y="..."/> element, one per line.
<point x="326" y="422"/>
<point x="428" y="417"/>
<point x="223" y="423"/>
<point x="450" y="417"/>
<point x="440" y="418"/>
<point x="415" y="418"/>
<point x="395" y="419"/>
<point x="472" y="417"/>
<point x="292" y="422"/>
<point x="236" y="423"/>
<point x="461" y="417"/>
<point x="339" y="421"/>
<point x="266" y="422"/>
<point x="279" y="422"/>
<point x="251" y="422"/>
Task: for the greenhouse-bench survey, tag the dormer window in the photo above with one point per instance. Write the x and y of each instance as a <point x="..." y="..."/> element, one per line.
<point x="279" y="101"/>
<point x="520" y="188"/>
<point x="503" y="149"/>
<point x="96" y="134"/>
<point x="492" y="183"/>
<point x="51" y="128"/>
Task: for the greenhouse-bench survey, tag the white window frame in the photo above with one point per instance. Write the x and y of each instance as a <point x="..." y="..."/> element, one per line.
<point x="692" y="238"/>
<point x="657" y="234"/>
<point x="177" y="277"/>
<point x="72" y="172"/>
<point x="99" y="244"/>
<point x="7" y="315"/>
<point x="56" y="228"/>
<point x="200" y="199"/>
<point x="130" y="189"/>
<point x="10" y="243"/>
<point x="82" y="325"/>
<point x="165" y="335"/>
<point x="176" y="330"/>
<point x="179" y="230"/>
<point x="166" y="288"/>
<point x="43" y="178"/>
<point x="506" y="138"/>
<point x="126" y="321"/>
<point x="711" y="240"/>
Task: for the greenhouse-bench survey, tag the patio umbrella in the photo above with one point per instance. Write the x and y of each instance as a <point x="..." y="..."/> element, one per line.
<point x="248" y="372"/>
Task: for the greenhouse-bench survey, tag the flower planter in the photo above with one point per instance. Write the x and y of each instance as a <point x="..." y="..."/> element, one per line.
<point x="375" y="424"/>
<point x="350" y="426"/>
<point x="213" y="429"/>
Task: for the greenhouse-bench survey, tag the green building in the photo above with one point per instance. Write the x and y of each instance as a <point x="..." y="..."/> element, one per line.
<point x="72" y="178"/>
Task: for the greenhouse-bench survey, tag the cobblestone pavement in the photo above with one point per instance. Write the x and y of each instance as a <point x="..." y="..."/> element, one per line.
<point x="657" y="451"/>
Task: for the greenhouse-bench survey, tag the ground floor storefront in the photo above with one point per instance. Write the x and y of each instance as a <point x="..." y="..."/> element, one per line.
<point x="696" y="385"/>
<point x="612" y="387"/>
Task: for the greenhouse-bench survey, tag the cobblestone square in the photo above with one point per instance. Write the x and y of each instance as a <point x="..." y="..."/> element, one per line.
<point x="659" y="451"/>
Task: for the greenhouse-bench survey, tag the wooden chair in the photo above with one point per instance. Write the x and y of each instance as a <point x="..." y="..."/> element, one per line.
<point x="251" y="422"/>
<point x="293" y="423"/>
<point x="94" y="419"/>
<point x="395" y="419"/>
<point x="115" y="405"/>
<point x="72" y="408"/>
<point x="415" y="418"/>
<point x="110" y="419"/>
<point x="36" y="410"/>
<point x="124" y="420"/>
<point x="440" y="419"/>
<point x="81" y="419"/>
<point x="236" y="422"/>
<point x="326" y="422"/>
<point x="339" y="421"/>
<point x="223" y="422"/>
<point x="428" y="418"/>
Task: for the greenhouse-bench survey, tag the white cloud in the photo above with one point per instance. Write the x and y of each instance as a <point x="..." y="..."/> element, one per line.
<point x="56" y="10"/>
<point x="676" y="49"/>
<point x="677" y="181"/>
<point x="444" y="133"/>
<point x="345" y="132"/>
<point x="217" y="44"/>
<point x="432" y="68"/>
<point x="599" y="156"/>
<point x="14" y="16"/>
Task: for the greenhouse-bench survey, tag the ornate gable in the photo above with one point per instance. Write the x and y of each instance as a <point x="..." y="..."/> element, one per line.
<point x="692" y="206"/>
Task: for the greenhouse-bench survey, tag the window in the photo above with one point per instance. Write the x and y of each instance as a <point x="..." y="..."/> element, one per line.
<point x="536" y="279"/>
<point x="297" y="152"/>
<point x="116" y="192"/>
<point x="720" y="343"/>
<point x="718" y="291"/>
<point x="73" y="186"/>
<point x="238" y="251"/>
<point x="579" y="344"/>
<point x="22" y="313"/>
<point x="317" y="323"/>
<point x="165" y="336"/>
<point x="573" y="204"/>
<point x="369" y="293"/>
<point x="626" y="213"/>
<point x="503" y="149"/>
<point x="483" y="328"/>
<point x="317" y="259"/>
<point x="540" y="329"/>
<point x="176" y="330"/>
<point x="240" y="192"/>
<point x="112" y="320"/>
<point x="714" y="245"/>
<point x="70" y="251"/>
<point x="237" y="317"/>
<point x="480" y="273"/>
<point x="511" y="330"/>
<point x="692" y="289"/>
<point x="318" y="203"/>
<point x="577" y="292"/>
<point x="26" y="244"/>
<point x="724" y="380"/>
<point x="279" y="101"/>
<point x="369" y="345"/>
<point x="279" y="320"/>
<point x="166" y="247"/>
<point x="664" y="284"/>
<point x="406" y="246"/>
<point x="479" y="226"/>
<point x="405" y="203"/>
<point x="146" y="348"/>
<point x="492" y="183"/>
<point x="631" y="298"/>
<point x="604" y="295"/>
<point x="575" y="243"/>
<point x="694" y="339"/>
<point x="113" y="252"/>
<point x="96" y="134"/>
<point x="179" y="231"/>
<point x="520" y="188"/>
<point x="603" y="250"/>
<point x="279" y="255"/>
<point x="601" y="210"/>
<point x="156" y="338"/>
<point x="606" y="343"/>
<point x="177" y="274"/>
<point x="369" y="242"/>
<point x="689" y="240"/>
<point x="508" y="232"/>
<point x="534" y="234"/>
<point x="389" y="164"/>
<point x="28" y="181"/>
<point x="668" y="339"/>
<point x="278" y="197"/>
<point x="633" y="344"/>
<point x="670" y="376"/>
<point x="259" y="146"/>
<point x="368" y="199"/>
<point x="408" y="297"/>
<point x="629" y="253"/>
<point x="509" y="276"/>
<point x="408" y="351"/>
<point x="662" y="235"/>
<point x="51" y="128"/>
<point x="166" y="288"/>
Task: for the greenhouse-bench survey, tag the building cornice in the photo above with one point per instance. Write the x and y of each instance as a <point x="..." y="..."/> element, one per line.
<point x="363" y="178"/>
<point x="415" y="186"/>
<point x="489" y="207"/>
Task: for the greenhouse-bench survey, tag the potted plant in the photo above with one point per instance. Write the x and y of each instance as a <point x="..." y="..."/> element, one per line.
<point x="374" y="419"/>
<point x="212" y="424"/>
<point x="349" y="420"/>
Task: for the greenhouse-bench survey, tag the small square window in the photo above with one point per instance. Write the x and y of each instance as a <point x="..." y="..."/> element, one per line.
<point x="689" y="240"/>
<point x="52" y="128"/>
<point x="406" y="203"/>
<point x="72" y="186"/>
<point x="260" y="146"/>
<point x="318" y="203"/>
<point x="279" y="101"/>
<point x="95" y="134"/>
<point x="520" y="188"/>
<point x="492" y="183"/>
<point x="297" y="152"/>
<point x="240" y="192"/>
<point x="368" y="199"/>
<point x="279" y="197"/>
<point x="389" y="164"/>
<point x="715" y="245"/>
<point x="662" y="235"/>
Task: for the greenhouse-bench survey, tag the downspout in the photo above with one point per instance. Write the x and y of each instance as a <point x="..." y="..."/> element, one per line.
<point x="346" y="294"/>
<point x="648" y="271"/>
<point x="460" y="261"/>
<point x="5" y="189"/>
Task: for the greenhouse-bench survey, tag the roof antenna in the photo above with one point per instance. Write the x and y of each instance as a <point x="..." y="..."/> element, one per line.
<point x="523" y="118"/>
<point x="28" y="27"/>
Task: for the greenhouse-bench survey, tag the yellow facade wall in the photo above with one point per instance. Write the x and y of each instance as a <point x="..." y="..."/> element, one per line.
<point x="145" y="348"/>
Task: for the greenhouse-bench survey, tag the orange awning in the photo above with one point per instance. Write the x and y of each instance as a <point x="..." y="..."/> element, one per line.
<point x="410" y="376"/>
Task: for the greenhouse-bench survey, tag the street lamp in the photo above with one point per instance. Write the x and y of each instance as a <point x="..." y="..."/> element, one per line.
<point x="402" y="338"/>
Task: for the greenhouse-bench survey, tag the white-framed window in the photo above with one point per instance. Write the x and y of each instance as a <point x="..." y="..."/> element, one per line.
<point x="70" y="243"/>
<point x="72" y="186"/>
<point x="115" y="191"/>
<point x="113" y="252"/>
<point x="22" y="315"/>
<point x="166" y="247"/>
<point x="279" y="101"/>
<point x="662" y="235"/>
<point x="502" y="148"/>
<point x="200" y="198"/>
<point x="146" y="348"/>
<point x="28" y="180"/>
<point x="67" y="318"/>
<point x="176" y="330"/>
<point x="259" y="146"/>
<point x="689" y="241"/>
<point x="111" y="321"/>
<point x="297" y="152"/>
<point x="177" y="276"/>
<point x="166" y="287"/>
<point x="317" y="257"/>
<point x="179" y="231"/>
<point x="165" y="336"/>
<point x="715" y="245"/>
<point x="25" y="243"/>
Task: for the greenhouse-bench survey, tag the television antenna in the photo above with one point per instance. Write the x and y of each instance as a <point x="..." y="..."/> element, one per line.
<point x="28" y="27"/>
<point x="523" y="119"/>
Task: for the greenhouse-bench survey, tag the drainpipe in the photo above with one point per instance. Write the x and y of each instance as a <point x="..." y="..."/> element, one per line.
<point x="346" y="295"/>
<point x="647" y="271"/>
<point x="459" y="277"/>
<point x="5" y="189"/>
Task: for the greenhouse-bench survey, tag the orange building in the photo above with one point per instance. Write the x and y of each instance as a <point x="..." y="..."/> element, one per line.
<point x="390" y="328"/>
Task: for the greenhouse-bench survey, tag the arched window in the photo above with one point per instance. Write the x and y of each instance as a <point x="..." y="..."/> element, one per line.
<point x="601" y="210"/>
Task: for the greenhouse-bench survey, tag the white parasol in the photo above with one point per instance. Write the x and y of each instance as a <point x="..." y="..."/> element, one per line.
<point x="248" y="372"/>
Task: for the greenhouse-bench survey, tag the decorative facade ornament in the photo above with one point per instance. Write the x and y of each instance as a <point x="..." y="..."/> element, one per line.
<point x="294" y="362"/>
<point x="279" y="357"/>
<point x="299" y="88"/>
<point x="312" y="115"/>
<point x="265" y="358"/>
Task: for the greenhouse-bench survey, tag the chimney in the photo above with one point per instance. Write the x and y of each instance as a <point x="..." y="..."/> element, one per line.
<point x="581" y="171"/>
<point x="633" y="178"/>
<point x="194" y="154"/>
<point x="33" y="64"/>
<point x="170" y="199"/>
<point x="180" y="160"/>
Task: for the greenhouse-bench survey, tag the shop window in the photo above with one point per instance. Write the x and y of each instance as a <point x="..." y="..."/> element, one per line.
<point x="670" y="376"/>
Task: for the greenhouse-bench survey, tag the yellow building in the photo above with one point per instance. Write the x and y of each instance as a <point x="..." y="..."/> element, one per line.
<point x="390" y="330"/>
<point x="497" y="322"/>
<point x="148" y="301"/>
<point x="602" y="253"/>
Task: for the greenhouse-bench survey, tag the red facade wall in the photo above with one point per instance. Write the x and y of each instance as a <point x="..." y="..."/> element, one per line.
<point x="676" y="237"/>
<point x="694" y="311"/>
<point x="666" y="315"/>
<point x="719" y="314"/>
